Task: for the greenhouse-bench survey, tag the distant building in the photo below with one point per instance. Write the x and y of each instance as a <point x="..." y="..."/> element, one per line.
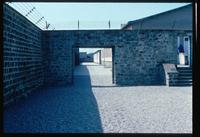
<point x="90" y="57"/>
<point x="97" y="57"/>
<point x="83" y="56"/>
<point x="177" y="19"/>
<point x="106" y="57"/>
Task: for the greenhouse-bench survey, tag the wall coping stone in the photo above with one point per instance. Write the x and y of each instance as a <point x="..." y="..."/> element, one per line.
<point x="170" y="71"/>
<point x="170" y="68"/>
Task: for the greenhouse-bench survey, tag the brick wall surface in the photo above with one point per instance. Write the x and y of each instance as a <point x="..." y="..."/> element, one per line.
<point x="22" y="60"/>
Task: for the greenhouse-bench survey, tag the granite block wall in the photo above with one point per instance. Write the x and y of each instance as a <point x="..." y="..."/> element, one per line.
<point x="22" y="55"/>
<point x="59" y="48"/>
<point x="140" y="59"/>
<point x="138" y="56"/>
<point x="58" y="58"/>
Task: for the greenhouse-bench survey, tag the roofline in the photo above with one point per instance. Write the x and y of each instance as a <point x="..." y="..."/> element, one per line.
<point x="97" y="51"/>
<point x="138" y="20"/>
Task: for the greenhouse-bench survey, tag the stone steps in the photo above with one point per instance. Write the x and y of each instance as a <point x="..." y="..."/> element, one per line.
<point x="184" y="77"/>
<point x="181" y="84"/>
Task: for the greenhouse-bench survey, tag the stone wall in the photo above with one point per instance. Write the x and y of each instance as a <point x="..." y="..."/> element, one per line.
<point x="76" y="57"/>
<point x="58" y="57"/>
<point x="58" y="51"/>
<point x="141" y="56"/>
<point x="22" y="55"/>
<point x="138" y="55"/>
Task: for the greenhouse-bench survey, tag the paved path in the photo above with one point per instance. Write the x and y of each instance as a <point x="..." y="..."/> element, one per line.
<point x="84" y="107"/>
<point x="99" y="75"/>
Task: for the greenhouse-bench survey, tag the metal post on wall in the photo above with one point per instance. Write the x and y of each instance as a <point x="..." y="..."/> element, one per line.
<point x="78" y="24"/>
<point x="47" y="25"/>
<point x="109" y="24"/>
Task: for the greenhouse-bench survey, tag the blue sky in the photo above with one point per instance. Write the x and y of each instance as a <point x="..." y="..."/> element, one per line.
<point x="64" y="16"/>
<point x="96" y="15"/>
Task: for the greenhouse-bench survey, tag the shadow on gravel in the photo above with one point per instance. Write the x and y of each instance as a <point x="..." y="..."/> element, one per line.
<point x="89" y="111"/>
<point x="71" y="109"/>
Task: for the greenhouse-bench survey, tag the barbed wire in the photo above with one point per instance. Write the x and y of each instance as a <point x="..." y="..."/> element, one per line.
<point x="30" y="12"/>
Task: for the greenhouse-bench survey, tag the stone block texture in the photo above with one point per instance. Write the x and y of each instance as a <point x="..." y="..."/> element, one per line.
<point x="138" y="55"/>
<point x="22" y="55"/>
<point x="57" y="58"/>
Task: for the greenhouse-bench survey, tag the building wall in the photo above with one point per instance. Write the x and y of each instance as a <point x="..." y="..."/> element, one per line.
<point x="179" y="19"/>
<point x="22" y="55"/>
<point x="107" y="57"/>
<point x="97" y="57"/>
<point x="140" y="60"/>
<point x="76" y="57"/>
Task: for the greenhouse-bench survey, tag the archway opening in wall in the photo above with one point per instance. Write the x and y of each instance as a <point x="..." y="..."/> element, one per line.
<point x="96" y="63"/>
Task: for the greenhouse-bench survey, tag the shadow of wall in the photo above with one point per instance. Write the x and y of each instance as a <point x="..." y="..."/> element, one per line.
<point x="72" y="109"/>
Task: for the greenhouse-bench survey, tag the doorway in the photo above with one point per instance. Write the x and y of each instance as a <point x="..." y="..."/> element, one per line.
<point x="98" y="62"/>
<point x="186" y="42"/>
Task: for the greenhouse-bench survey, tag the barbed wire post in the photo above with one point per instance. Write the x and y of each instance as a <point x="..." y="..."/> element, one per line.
<point x="109" y="24"/>
<point x="78" y="24"/>
<point x="47" y="25"/>
<point x="31" y="13"/>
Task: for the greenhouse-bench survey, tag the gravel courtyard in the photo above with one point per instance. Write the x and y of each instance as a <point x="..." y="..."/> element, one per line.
<point x="94" y="105"/>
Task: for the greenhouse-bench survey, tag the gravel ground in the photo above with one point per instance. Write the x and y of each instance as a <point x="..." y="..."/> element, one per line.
<point x="94" y="105"/>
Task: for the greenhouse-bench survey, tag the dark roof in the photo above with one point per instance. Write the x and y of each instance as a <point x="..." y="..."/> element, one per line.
<point x="97" y="51"/>
<point x="183" y="21"/>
